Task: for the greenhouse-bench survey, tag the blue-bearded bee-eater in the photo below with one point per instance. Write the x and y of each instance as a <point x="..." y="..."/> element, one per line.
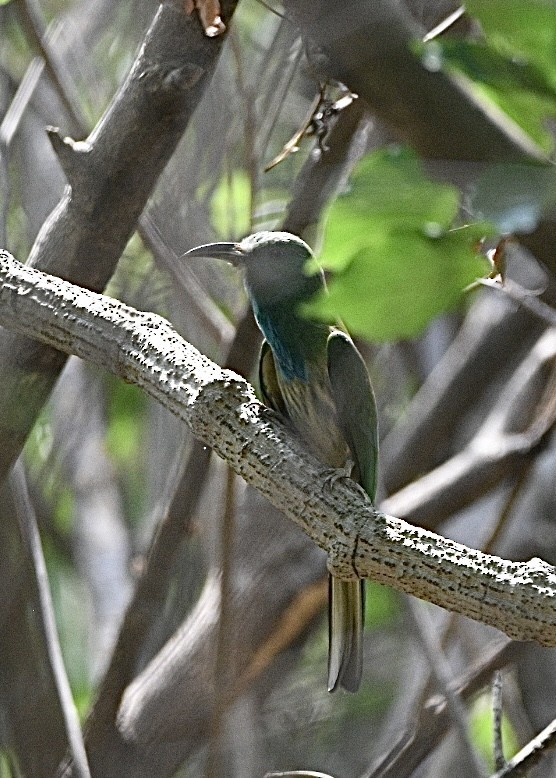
<point x="314" y="377"/>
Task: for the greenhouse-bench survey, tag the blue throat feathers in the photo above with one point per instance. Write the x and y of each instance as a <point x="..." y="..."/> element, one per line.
<point x="295" y="342"/>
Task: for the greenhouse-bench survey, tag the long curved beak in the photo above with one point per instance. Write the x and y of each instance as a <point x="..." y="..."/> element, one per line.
<point x="229" y="252"/>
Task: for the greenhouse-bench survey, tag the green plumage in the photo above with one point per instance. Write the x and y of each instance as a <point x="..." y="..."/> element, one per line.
<point x="314" y="377"/>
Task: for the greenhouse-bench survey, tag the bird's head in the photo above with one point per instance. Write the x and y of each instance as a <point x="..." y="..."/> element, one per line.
<point x="274" y="265"/>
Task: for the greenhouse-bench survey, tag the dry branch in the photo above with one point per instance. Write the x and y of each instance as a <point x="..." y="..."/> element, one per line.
<point x="368" y="45"/>
<point x="484" y="347"/>
<point x="110" y="176"/>
<point x="222" y="411"/>
<point x="519" y="422"/>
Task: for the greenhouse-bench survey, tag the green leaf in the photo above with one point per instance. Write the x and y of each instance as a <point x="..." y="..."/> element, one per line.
<point x="397" y="284"/>
<point x="388" y="188"/>
<point x="483" y="63"/>
<point x="523" y="91"/>
<point x="396" y="263"/>
<point x="520" y="29"/>
<point x="515" y="65"/>
<point x="530" y="111"/>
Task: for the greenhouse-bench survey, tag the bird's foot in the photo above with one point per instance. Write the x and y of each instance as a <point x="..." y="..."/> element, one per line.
<point x="334" y="474"/>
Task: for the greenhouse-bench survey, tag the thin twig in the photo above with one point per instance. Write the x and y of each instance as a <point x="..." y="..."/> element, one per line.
<point x="497" y="714"/>
<point x="525" y="297"/>
<point x="432" y="720"/>
<point x="42" y="38"/>
<point x="530" y="755"/>
<point x="509" y="504"/>
<point x="445" y="24"/>
<point x="221" y="679"/>
<point x="443" y="676"/>
<point x="28" y="525"/>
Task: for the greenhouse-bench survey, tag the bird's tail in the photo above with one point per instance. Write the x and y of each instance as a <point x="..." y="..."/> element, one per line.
<point x="346" y="610"/>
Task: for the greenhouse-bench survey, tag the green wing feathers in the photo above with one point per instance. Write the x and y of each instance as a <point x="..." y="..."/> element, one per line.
<point x="355" y="407"/>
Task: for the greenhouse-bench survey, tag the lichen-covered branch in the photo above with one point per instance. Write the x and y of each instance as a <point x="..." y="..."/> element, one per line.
<point x="222" y="411"/>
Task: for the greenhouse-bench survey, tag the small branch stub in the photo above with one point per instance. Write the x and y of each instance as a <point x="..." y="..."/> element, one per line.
<point x="68" y="150"/>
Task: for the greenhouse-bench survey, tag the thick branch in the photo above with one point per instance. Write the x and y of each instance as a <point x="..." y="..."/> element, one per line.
<point x="222" y="411"/>
<point x="367" y="44"/>
<point x="110" y="177"/>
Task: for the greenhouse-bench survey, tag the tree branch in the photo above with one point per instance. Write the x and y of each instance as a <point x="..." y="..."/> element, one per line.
<point x="368" y="46"/>
<point x="455" y="386"/>
<point x="222" y="411"/>
<point x="522" y="417"/>
<point x="30" y="532"/>
<point x="530" y="755"/>
<point x="86" y="233"/>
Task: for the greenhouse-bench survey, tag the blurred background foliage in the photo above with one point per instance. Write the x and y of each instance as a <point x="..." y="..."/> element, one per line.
<point x="105" y="464"/>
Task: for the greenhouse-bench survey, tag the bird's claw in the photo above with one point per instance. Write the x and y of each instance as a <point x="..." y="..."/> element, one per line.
<point x="334" y="474"/>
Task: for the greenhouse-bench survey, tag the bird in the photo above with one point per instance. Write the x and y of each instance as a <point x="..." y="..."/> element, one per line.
<point x="313" y="376"/>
